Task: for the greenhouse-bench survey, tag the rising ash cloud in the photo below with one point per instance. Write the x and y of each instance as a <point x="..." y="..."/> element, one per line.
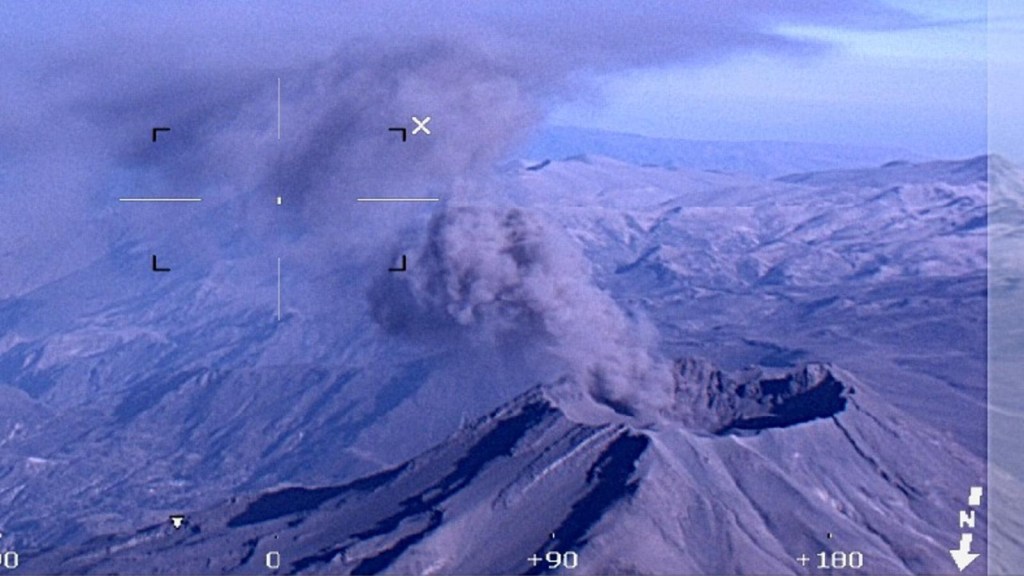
<point x="485" y="73"/>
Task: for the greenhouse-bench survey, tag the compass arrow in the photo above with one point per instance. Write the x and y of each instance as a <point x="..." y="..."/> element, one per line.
<point x="963" y="555"/>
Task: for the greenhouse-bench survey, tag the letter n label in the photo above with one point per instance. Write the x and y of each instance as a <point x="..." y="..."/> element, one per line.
<point x="966" y="519"/>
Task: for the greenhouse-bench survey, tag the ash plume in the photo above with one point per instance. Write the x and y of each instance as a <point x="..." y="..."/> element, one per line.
<point x="507" y="276"/>
<point x="485" y="73"/>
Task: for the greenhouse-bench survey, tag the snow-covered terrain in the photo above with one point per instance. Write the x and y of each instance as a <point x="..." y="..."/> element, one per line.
<point x="664" y="370"/>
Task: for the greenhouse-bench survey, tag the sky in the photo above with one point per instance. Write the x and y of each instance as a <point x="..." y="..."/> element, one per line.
<point x="83" y="82"/>
<point x="917" y="83"/>
<point x="895" y="73"/>
<point x="1006" y="79"/>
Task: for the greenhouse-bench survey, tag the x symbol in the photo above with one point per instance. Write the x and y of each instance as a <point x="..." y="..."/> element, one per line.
<point x="421" y="125"/>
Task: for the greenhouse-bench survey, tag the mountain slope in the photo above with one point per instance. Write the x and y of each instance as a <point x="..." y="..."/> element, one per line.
<point x="674" y="498"/>
<point x="131" y="395"/>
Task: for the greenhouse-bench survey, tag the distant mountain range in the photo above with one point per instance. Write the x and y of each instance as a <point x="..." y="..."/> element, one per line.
<point x="760" y="158"/>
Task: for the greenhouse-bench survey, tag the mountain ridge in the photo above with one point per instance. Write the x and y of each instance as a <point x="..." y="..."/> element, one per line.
<point x="591" y="482"/>
<point x="142" y="395"/>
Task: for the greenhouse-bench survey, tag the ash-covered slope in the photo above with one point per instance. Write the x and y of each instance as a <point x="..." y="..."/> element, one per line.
<point x="772" y="465"/>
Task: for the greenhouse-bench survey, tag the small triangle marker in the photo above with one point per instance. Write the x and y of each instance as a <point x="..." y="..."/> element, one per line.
<point x="177" y="520"/>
